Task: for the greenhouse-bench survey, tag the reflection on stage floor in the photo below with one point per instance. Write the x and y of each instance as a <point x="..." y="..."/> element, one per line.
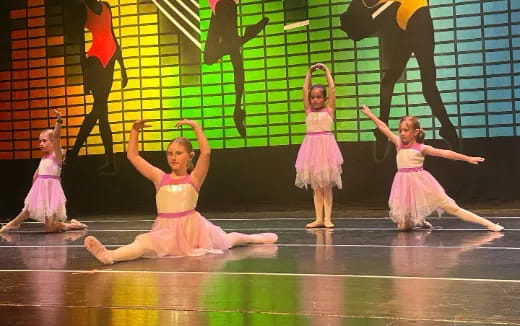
<point x="363" y="272"/>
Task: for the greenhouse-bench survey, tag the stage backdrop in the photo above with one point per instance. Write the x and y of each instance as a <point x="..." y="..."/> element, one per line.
<point x="181" y="61"/>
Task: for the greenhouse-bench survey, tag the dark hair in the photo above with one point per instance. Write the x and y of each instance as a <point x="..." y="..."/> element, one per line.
<point x="414" y="122"/>
<point x="319" y="86"/>
<point x="184" y="142"/>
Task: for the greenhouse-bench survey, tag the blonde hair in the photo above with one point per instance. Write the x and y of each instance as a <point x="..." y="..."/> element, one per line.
<point x="49" y="133"/>
<point x="414" y="123"/>
<point x="186" y="143"/>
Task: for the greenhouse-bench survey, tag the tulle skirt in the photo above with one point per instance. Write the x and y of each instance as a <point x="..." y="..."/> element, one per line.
<point x="319" y="162"/>
<point x="46" y="199"/>
<point x="414" y="196"/>
<point x="191" y="235"/>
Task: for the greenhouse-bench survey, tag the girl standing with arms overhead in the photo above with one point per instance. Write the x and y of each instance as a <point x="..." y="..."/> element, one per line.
<point x="415" y="193"/>
<point x="45" y="202"/>
<point x="319" y="159"/>
<point x="179" y="230"/>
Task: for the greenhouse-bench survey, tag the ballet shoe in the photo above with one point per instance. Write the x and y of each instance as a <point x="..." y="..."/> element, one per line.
<point x="403" y="227"/>
<point x="78" y="225"/>
<point x="97" y="249"/>
<point x="425" y="225"/>
<point x="7" y="228"/>
<point x="449" y="134"/>
<point x="253" y="30"/>
<point x="239" y="117"/>
<point x="495" y="227"/>
<point x="315" y="224"/>
<point x="6" y="237"/>
<point x="381" y="145"/>
<point x="266" y="238"/>
<point x="328" y="224"/>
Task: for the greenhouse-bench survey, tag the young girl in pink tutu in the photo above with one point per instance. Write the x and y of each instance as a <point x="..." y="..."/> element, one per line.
<point x="45" y="202"/>
<point x="178" y="230"/>
<point x="319" y="159"/>
<point x="415" y="193"/>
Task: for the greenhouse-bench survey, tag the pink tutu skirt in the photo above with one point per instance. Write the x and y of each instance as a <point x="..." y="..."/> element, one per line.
<point x="414" y="196"/>
<point x="191" y="235"/>
<point x="46" y="199"/>
<point x="319" y="162"/>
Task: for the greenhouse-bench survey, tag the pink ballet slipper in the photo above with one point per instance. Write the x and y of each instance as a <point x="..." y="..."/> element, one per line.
<point x="265" y="238"/>
<point x="328" y="224"/>
<point x="495" y="227"/>
<point x="315" y="224"/>
<point x="77" y="225"/>
<point x="425" y="226"/>
<point x="403" y="227"/>
<point x="97" y="249"/>
<point x="7" y="228"/>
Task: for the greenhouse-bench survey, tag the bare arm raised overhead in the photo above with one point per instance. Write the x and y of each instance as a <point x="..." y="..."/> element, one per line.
<point x="57" y="136"/>
<point x="307" y="87"/>
<point x="149" y="171"/>
<point x="331" y="101"/>
<point x="198" y="175"/>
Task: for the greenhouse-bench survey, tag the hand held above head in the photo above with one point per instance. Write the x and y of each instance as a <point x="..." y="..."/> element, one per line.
<point x="58" y="114"/>
<point x="365" y="109"/>
<point x="188" y="122"/>
<point x="317" y="66"/>
<point x="140" y="124"/>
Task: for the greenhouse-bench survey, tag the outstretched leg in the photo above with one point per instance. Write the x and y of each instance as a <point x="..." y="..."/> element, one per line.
<point x="98" y="250"/>
<point x="15" y="222"/>
<point x="127" y="252"/>
<point x="468" y="216"/>
<point x="240" y="239"/>
<point x="318" y="209"/>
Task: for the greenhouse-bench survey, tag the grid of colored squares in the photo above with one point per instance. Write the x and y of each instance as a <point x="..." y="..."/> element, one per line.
<point x="477" y="57"/>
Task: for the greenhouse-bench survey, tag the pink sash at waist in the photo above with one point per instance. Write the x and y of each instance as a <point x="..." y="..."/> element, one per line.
<point x="406" y="170"/>
<point x="177" y="214"/>
<point x="48" y="176"/>
<point x="315" y="133"/>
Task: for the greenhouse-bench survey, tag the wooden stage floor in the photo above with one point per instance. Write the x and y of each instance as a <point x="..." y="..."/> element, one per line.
<point x="363" y="272"/>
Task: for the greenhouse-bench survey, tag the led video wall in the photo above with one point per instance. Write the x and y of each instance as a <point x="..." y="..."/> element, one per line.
<point x="163" y="44"/>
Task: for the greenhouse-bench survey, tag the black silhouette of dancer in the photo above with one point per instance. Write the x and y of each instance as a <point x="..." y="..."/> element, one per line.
<point x="403" y="33"/>
<point x="98" y="72"/>
<point x="223" y="39"/>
